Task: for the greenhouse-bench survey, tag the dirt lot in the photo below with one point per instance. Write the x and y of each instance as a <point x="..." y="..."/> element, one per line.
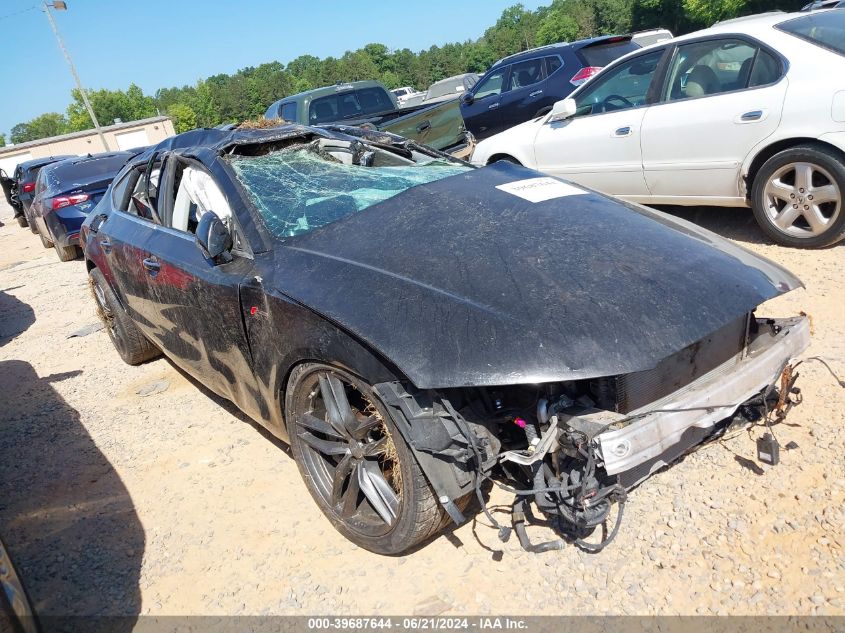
<point x="175" y="503"/>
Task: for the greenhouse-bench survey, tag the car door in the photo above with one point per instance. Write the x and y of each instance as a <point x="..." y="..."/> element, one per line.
<point x="198" y="299"/>
<point x="482" y="116"/>
<point x="600" y="146"/>
<point x="524" y="95"/>
<point x="722" y="97"/>
<point x="121" y="245"/>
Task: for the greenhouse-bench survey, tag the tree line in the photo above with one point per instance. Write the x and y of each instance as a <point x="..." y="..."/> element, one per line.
<point x="246" y="93"/>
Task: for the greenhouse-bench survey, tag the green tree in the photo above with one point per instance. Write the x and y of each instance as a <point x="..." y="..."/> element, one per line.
<point x="184" y="117"/>
<point x="42" y="126"/>
<point x="706" y="12"/>
<point x="109" y="105"/>
<point x="2" y="140"/>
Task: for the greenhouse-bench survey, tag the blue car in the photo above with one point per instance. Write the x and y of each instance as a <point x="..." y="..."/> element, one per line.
<point x="64" y="194"/>
<point x="526" y="85"/>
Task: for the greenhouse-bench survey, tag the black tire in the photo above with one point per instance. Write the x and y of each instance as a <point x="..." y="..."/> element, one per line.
<point x="67" y="253"/>
<point x="786" y="197"/>
<point x="132" y="346"/>
<point x="22" y="221"/>
<point x="31" y="222"/>
<point x="410" y="512"/>
<point x="505" y="159"/>
<point x="45" y="242"/>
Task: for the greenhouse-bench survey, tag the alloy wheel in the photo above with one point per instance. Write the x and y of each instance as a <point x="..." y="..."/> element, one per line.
<point x="802" y="199"/>
<point x="349" y="453"/>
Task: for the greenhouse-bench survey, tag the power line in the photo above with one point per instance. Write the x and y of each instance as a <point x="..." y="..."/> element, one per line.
<point x="11" y="15"/>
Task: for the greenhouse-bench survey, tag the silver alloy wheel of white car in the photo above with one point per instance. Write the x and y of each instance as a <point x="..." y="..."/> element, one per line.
<point x="802" y="199"/>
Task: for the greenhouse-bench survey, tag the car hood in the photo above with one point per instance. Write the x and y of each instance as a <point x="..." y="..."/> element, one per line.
<point x="459" y="283"/>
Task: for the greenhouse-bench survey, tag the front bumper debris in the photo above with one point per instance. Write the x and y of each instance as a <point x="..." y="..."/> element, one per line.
<point x="687" y="415"/>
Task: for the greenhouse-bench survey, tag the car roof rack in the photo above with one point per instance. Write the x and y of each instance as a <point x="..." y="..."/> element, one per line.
<point x="530" y="50"/>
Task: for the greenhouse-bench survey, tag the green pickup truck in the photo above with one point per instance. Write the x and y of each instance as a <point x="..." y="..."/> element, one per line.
<point x="370" y="104"/>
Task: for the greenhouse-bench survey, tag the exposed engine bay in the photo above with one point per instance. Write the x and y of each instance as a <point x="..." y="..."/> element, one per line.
<point x="574" y="449"/>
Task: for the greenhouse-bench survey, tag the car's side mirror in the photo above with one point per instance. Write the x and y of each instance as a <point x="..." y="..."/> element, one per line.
<point x="213" y="235"/>
<point x="467" y="98"/>
<point x="562" y="110"/>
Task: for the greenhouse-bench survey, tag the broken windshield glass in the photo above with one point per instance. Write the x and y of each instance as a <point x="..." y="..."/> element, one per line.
<point x="297" y="190"/>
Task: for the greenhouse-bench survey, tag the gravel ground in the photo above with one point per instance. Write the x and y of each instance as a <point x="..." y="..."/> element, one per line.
<point x="173" y="502"/>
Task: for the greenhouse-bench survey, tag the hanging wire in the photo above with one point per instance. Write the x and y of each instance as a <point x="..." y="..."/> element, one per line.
<point x="11" y="15"/>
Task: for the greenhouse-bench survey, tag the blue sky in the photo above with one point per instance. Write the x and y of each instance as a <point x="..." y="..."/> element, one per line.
<point x="158" y="43"/>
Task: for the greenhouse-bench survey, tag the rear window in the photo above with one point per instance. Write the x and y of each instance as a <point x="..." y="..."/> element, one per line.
<point x="88" y="169"/>
<point x="349" y="104"/>
<point x="600" y="55"/>
<point x="825" y="29"/>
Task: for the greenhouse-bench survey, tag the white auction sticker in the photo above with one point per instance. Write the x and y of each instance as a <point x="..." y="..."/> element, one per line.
<point x="540" y="189"/>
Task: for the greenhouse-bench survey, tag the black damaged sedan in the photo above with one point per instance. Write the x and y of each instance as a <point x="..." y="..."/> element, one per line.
<point x="414" y="326"/>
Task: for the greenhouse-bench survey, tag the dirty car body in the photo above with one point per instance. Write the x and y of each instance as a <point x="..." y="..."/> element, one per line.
<point x="499" y="323"/>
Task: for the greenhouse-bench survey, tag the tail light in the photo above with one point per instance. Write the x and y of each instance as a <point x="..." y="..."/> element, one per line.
<point x="584" y="74"/>
<point x="27" y="187"/>
<point x="65" y="201"/>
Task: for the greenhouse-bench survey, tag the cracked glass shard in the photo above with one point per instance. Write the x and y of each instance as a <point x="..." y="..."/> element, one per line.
<point x="302" y="188"/>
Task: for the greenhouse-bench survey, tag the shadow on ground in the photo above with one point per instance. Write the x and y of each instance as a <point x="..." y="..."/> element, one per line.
<point x="734" y="223"/>
<point x="65" y="514"/>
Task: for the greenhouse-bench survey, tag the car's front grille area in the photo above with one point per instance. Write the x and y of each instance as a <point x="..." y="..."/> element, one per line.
<point x="628" y="392"/>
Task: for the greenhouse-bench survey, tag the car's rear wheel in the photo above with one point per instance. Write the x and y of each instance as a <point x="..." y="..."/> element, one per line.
<point x="132" y="346"/>
<point x="797" y="197"/>
<point x="46" y="243"/>
<point x="355" y="462"/>
<point x="30" y="221"/>
<point x="67" y="253"/>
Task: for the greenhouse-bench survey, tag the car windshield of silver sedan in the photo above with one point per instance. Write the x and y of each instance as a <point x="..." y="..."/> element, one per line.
<point x="307" y="186"/>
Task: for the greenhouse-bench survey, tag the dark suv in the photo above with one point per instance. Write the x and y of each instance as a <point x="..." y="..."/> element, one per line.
<point x="526" y="85"/>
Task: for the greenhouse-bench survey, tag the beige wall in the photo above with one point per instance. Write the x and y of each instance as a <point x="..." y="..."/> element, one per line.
<point x="156" y="132"/>
<point x="90" y="143"/>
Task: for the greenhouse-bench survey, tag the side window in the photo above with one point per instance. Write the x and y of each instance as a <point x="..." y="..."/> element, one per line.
<point x="766" y="70"/>
<point x="625" y="86"/>
<point x="526" y="73"/>
<point x="708" y="68"/>
<point x="289" y="112"/>
<point x="492" y="85"/>
<point x="120" y="189"/>
<point x="138" y="202"/>
<point x="197" y="194"/>
<point x="552" y="64"/>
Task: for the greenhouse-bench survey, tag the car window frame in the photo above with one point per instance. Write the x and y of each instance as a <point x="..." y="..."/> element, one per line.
<point x="240" y="242"/>
<point x="542" y="61"/>
<point x="141" y="169"/>
<point x="505" y="81"/>
<point x="652" y="92"/>
<point x="546" y="59"/>
<point x="752" y="41"/>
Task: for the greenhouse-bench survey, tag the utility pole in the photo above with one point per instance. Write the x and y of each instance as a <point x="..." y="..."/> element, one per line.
<point x="63" y="7"/>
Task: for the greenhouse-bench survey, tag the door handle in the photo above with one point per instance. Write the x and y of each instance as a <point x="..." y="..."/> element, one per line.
<point x="535" y="93"/>
<point x="105" y="245"/>
<point x="422" y="127"/>
<point x="749" y="117"/>
<point x="493" y="106"/>
<point x="152" y="266"/>
<point x="623" y="131"/>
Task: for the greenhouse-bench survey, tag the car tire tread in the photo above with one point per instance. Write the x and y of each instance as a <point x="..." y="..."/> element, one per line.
<point x="132" y="346"/>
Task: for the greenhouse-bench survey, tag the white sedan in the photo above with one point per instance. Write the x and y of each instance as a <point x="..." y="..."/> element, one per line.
<point x="750" y="112"/>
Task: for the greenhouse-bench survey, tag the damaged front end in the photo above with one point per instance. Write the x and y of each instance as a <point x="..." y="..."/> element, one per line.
<point x="575" y="448"/>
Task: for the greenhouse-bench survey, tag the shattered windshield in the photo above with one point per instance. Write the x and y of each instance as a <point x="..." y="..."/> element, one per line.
<point x="297" y="190"/>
